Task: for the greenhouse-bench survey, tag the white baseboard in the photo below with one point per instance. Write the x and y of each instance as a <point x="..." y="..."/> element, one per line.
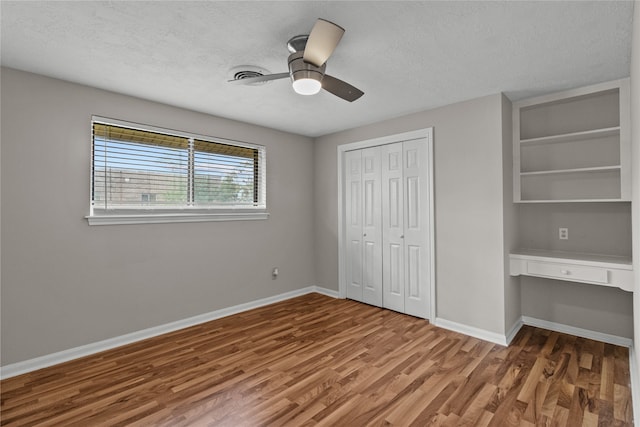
<point x="471" y="331"/>
<point x="30" y="365"/>
<point x="635" y="382"/>
<point x="531" y="321"/>
<point x="579" y="332"/>
<point x="514" y="330"/>
<point x="324" y="291"/>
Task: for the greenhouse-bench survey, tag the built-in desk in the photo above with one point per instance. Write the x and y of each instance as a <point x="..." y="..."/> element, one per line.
<point x="603" y="270"/>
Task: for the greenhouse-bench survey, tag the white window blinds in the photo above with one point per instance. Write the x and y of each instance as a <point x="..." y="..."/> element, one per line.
<point x="224" y="174"/>
<point x="150" y="170"/>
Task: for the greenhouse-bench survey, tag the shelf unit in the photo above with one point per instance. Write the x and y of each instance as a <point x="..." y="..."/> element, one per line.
<point x="573" y="146"/>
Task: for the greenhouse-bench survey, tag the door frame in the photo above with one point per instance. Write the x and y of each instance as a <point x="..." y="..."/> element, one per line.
<point x="426" y="133"/>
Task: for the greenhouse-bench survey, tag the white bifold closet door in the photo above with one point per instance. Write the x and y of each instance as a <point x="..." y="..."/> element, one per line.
<point x="387" y="229"/>
<point x="364" y="234"/>
<point x="405" y="228"/>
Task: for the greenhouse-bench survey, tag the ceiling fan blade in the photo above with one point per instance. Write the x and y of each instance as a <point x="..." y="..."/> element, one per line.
<point x="341" y="89"/>
<point x="323" y="39"/>
<point x="259" y="79"/>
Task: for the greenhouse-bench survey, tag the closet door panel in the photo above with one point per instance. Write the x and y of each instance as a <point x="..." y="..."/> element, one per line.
<point x="353" y="216"/>
<point x="393" y="269"/>
<point x="355" y="272"/>
<point x="371" y="230"/>
<point x="416" y="231"/>
<point x="369" y="271"/>
<point x="413" y="203"/>
<point x="369" y="203"/>
<point x="414" y="290"/>
<point x="394" y="199"/>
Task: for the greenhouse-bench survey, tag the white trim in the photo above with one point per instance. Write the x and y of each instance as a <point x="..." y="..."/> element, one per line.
<point x="390" y="139"/>
<point x="45" y="361"/>
<point x="167" y="217"/>
<point x="574" y="201"/>
<point x="471" y="331"/>
<point x="432" y="222"/>
<point x="625" y="140"/>
<point x="328" y="292"/>
<point x="342" y="286"/>
<point x="560" y="96"/>
<point x="635" y="382"/>
<point x="514" y="330"/>
<point x="579" y="332"/>
<point x="539" y="323"/>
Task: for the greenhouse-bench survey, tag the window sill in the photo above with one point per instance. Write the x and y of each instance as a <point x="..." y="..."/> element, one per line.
<point x="174" y="217"/>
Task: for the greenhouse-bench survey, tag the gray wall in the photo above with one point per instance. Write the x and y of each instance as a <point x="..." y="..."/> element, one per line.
<point x="600" y="228"/>
<point x="635" y="170"/>
<point x="595" y="308"/>
<point x="65" y="284"/>
<point x="470" y="262"/>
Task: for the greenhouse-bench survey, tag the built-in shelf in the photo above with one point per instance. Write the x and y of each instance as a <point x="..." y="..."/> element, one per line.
<point x="570" y="201"/>
<point x="594" y="269"/>
<point x="574" y="136"/>
<point x="564" y="171"/>
<point x="573" y="146"/>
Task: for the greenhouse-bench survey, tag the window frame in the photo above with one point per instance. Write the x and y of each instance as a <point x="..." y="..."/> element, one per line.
<point x="185" y="213"/>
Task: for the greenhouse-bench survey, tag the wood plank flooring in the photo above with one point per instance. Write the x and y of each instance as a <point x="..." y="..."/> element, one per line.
<point x="315" y="360"/>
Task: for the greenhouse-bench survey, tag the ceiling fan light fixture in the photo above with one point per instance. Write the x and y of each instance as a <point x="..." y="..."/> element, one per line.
<point x="307" y="86"/>
<point x="306" y="81"/>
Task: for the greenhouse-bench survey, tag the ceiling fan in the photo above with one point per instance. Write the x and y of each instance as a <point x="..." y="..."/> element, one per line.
<point x="308" y="61"/>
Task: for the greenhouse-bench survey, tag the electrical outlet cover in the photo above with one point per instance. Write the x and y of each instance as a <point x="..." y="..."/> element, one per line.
<point x="563" y="233"/>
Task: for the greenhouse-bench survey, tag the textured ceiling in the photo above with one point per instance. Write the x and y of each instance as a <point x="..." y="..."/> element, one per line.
<point x="405" y="56"/>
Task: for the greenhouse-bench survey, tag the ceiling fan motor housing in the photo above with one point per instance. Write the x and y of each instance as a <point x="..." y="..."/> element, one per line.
<point x="299" y="69"/>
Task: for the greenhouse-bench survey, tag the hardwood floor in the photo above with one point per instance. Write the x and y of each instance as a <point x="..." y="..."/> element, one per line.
<point x="315" y="360"/>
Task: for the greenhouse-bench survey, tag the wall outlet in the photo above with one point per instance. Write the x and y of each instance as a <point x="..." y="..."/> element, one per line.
<point x="563" y="233"/>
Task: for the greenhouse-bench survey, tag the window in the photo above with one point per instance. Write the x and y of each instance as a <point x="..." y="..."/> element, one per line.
<point x="148" y="197"/>
<point x="147" y="174"/>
